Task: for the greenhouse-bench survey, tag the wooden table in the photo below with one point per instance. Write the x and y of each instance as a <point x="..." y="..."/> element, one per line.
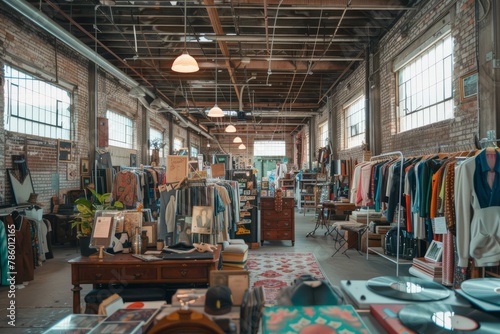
<point x="124" y="268"/>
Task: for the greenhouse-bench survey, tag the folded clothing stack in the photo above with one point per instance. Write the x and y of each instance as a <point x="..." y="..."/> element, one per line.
<point x="234" y="255"/>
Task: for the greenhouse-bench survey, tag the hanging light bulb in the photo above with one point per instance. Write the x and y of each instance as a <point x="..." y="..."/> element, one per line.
<point x="230" y="128"/>
<point x="242" y="146"/>
<point x="185" y="63"/>
<point x="237" y="140"/>
<point x="215" y="112"/>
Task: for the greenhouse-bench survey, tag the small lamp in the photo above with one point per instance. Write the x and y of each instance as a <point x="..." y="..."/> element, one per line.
<point x="230" y="128"/>
<point x="237" y="140"/>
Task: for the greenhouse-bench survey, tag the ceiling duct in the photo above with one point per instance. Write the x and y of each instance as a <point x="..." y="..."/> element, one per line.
<point x="156" y="104"/>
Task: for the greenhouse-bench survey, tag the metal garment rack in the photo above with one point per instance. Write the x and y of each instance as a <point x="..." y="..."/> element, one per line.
<point x="379" y="250"/>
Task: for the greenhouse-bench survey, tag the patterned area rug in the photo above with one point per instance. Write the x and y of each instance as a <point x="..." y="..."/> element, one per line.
<point x="273" y="271"/>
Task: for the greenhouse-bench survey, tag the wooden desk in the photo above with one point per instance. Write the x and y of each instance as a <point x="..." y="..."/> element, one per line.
<point x="124" y="268"/>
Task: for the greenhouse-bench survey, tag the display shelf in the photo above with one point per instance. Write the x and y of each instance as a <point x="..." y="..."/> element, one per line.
<point x="288" y="187"/>
<point x="308" y="192"/>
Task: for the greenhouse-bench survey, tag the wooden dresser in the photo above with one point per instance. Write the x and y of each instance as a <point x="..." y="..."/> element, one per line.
<point x="277" y="225"/>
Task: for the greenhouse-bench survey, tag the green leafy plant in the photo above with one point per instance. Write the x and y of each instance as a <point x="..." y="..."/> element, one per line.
<point x="84" y="220"/>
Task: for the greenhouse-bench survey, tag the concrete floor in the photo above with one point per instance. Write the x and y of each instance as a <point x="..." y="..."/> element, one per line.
<point x="48" y="298"/>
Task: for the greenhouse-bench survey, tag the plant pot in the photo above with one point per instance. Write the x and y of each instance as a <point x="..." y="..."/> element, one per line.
<point x="85" y="250"/>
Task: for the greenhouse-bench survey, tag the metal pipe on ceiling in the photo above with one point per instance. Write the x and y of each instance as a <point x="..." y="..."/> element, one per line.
<point x="41" y="20"/>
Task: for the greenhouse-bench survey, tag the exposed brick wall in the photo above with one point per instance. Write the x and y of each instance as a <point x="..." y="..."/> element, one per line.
<point x="449" y="133"/>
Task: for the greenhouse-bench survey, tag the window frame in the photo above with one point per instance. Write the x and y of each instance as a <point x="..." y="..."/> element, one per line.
<point x="48" y="122"/>
<point x="112" y="126"/>
<point x="359" y="138"/>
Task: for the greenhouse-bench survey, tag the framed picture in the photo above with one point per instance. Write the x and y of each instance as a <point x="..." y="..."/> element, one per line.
<point x="151" y="229"/>
<point x="468" y="86"/>
<point x="86" y="180"/>
<point x="434" y="251"/>
<point x="103" y="230"/>
<point x="133" y="160"/>
<point x="183" y="229"/>
<point x="84" y="166"/>
<point x="236" y="280"/>
<point x="64" y="150"/>
<point x="203" y="217"/>
<point x="72" y="172"/>
<point x="131" y="220"/>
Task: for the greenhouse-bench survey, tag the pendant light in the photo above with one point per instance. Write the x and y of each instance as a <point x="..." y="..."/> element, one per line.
<point x="242" y="146"/>
<point x="216" y="111"/>
<point x="237" y="140"/>
<point x="185" y="63"/>
<point x="230" y="128"/>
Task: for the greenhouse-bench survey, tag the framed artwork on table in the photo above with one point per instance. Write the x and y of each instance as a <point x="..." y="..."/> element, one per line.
<point x="468" y="86"/>
<point x="151" y="229"/>
<point x="434" y="251"/>
<point x="202" y="219"/>
<point x="131" y="220"/>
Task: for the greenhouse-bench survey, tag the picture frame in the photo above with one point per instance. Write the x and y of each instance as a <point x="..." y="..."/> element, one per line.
<point x="202" y="219"/>
<point x="133" y="160"/>
<point x="236" y="280"/>
<point x="468" y="86"/>
<point x="86" y="181"/>
<point x="183" y="229"/>
<point x="131" y="220"/>
<point x="103" y="230"/>
<point x="84" y="166"/>
<point x="151" y="229"/>
<point x="64" y="150"/>
<point x="72" y="172"/>
<point x="434" y="252"/>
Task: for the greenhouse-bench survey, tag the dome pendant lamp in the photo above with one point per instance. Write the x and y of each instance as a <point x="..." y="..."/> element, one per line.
<point x="237" y="140"/>
<point x="230" y="128"/>
<point x="216" y="111"/>
<point x="242" y="146"/>
<point x="185" y="63"/>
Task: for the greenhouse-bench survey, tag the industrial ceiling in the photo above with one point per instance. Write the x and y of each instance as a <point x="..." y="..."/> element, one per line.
<point x="275" y="62"/>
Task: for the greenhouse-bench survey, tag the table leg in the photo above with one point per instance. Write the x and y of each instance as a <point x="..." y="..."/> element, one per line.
<point x="76" y="298"/>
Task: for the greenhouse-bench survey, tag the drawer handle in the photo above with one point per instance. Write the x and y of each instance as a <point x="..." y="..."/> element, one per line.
<point x="184" y="272"/>
<point x="98" y="275"/>
<point x="137" y="275"/>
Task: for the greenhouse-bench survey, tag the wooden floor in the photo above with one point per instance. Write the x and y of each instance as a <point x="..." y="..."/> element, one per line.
<point x="48" y="298"/>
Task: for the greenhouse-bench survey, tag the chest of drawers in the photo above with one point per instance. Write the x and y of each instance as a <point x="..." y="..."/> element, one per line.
<point x="277" y="225"/>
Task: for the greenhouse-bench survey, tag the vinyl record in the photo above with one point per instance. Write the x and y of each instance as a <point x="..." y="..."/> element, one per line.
<point x="485" y="289"/>
<point x="437" y="318"/>
<point x="407" y="288"/>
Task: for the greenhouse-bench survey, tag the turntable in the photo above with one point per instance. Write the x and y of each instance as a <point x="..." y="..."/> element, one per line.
<point x="397" y="290"/>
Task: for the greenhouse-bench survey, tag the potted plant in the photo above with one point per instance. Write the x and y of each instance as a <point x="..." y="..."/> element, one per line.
<point x="84" y="220"/>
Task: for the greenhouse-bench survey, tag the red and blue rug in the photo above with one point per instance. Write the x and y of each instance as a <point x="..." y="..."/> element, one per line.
<point x="273" y="271"/>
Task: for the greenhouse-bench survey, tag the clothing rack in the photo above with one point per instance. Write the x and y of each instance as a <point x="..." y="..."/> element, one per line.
<point x="397" y="261"/>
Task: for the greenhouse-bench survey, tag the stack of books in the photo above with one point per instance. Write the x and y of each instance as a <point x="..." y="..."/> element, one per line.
<point x="234" y="257"/>
<point x="427" y="269"/>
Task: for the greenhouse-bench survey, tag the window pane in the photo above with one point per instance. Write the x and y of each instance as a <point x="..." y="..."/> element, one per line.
<point x="426" y="86"/>
<point x="262" y="148"/>
<point x="35" y="107"/>
<point x="120" y="130"/>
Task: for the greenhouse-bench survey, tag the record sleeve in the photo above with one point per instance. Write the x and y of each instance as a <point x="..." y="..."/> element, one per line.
<point x="485" y="289"/>
<point x="407" y="288"/>
<point x="437" y="318"/>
